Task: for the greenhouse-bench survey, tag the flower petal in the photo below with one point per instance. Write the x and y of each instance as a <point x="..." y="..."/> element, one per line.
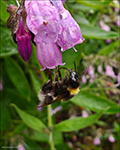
<point x="49" y="55"/>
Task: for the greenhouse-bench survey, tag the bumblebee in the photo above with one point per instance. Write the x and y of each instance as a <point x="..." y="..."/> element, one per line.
<point x="60" y="89"/>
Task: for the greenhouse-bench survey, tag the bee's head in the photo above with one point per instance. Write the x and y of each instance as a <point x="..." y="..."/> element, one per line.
<point x="74" y="79"/>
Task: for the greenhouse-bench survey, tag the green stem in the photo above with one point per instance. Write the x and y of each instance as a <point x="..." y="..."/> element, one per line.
<point x="96" y="89"/>
<point x="51" y="142"/>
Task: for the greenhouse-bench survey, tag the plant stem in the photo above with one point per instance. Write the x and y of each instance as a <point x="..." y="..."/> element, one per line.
<point x="51" y="142"/>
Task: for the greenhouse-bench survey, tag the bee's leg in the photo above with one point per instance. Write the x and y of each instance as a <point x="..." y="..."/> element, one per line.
<point x="48" y="84"/>
<point x="66" y="75"/>
<point x="49" y="74"/>
<point x="59" y="73"/>
<point x="56" y="77"/>
<point x="57" y="84"/>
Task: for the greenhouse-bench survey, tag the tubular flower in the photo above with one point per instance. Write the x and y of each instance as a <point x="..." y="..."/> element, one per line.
<point x="20" y="33"/>
<point x="42" y="20"/>
<point x="49" y="55"/>
<point x="23" y="39"/>
<point x="51" y="24"/>
<point x="71" y="33"/>
<point x="109" y="71"/>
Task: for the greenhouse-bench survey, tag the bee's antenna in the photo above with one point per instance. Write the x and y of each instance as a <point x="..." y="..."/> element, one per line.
<point x="75" y="66"/>
<point x="84" y="71"/>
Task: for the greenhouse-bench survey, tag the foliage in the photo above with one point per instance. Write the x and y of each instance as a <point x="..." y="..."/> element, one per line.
<point x="22" y="122"/>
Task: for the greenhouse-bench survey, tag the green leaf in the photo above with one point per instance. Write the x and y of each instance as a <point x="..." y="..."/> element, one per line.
<point x="108" y="49"/>
<point x="80" y="18"/>
<point x="39" y="136"/>
<point x="96" y="4"/>
<point x="89" y="31"/>
<point x="95" y="103"/>
<point x="17" y="76"/>
<point x="57" y="137"/>
<point x="63" y="146"/>
<point x="31" y="145"/>
<point x="5" y="118"/>
<point x="19" y="129"/>
<point x="31" y="121"/>
<point x="35" y="80"/>
<point x="8" y="47"/>
<point x="4" y="14"/>
<point x="77" y="123"/>
<point x="66" y="55"/>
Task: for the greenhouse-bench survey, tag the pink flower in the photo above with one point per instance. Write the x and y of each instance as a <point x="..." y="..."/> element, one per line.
<point x="23" y="39"/>
<point x="118" y="77"/>
<point x="43" y="21"/>
<point x="20" y="147"/>
<point x="84" y="79"/>
<point x="38" y="107"/>
<point x="20" y="33"/>
<point x="96" y="141"/>
<point x="91" y="72"/>
<point x="49" y="55"/>
<point x="118" y="22"/>
<point x="84" y="114"/>
<point x="104" y="26"/>
<point x="108" y="41"/>
<point x="1" y="85"/>
<point x="99" y="68"/>
<point x="116" y="9"/>
<point x="111" y="138"/>
<point x="56" y="110"/>
<point x="109" y="71"/>
<point x="71" y="33"/>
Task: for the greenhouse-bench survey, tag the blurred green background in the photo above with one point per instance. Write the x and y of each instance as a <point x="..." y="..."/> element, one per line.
<point x="90" y="120"/>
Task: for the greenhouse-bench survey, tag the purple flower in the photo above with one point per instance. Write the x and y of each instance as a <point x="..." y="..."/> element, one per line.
<point x="84" y="114"/>
<point x="99" y="69"/>
<point x="38" y="107"/>
<point x="20" y="33"/>
<point x="84" y="79"/>
<point x="20" y="147"/>
<point x="111" y="138"/>
<point x="23" y="39"/>
<point x="96" y="141"/>
<point x="118" y="22"/>
<point x="104" y="26"/>
<point x="109" y="71"/>
<point x="1" y="85"/>
<point x="49" y="55"/>
<point x="56" y="110"/>
<point x="63" y="1"/>
<point x="91" y="72"/>
<point x="118" y="77"/>
<point x="71" y="33"/>
<point x="108" y="41"/>
<point x="43" y="21"/>
<point x="116" y="9"/>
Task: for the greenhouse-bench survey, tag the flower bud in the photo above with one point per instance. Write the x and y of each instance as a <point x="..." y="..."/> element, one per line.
<point x="109" y="71"/>
<point x="11" y="8"/>
<point x="96" y="141"/>
<point x="23" y="39"/>
<point x="111" y="138"/>
<point x="20" y="33"/>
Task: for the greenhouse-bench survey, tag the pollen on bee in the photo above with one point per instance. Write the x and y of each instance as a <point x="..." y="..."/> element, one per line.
<point x="73" y="91"/>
